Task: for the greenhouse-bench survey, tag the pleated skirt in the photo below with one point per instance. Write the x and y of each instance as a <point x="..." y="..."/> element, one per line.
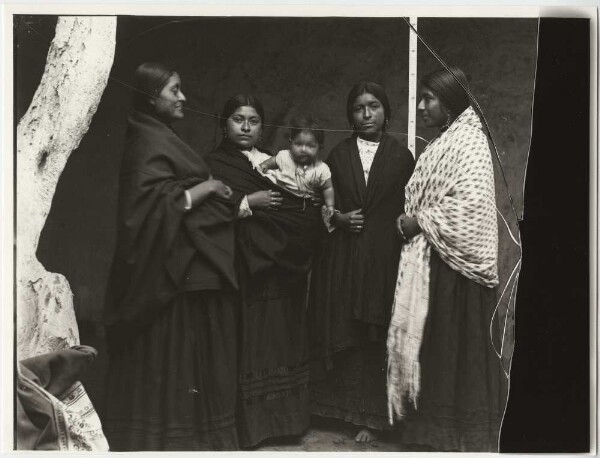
<point x="273" y="358"/>
<point x="351" y="386"/>
<point x="463" y="387"/>
<point x="173" y="385"/>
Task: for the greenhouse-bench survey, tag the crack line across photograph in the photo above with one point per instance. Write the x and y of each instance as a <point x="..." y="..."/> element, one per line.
<point x="253" y="246"/>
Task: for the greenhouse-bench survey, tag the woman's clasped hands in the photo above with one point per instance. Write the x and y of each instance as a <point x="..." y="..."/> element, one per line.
<point x="407" y="226"/>
<point x="352" y="221"/>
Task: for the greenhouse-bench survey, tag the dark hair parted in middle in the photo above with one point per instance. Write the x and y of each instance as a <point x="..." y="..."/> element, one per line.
<point x="368" y="87"/>
<point x="149" y="79"/>
<point x="241" y="100"/>
<point x="444" y="85"/>
<point x="306" y="124"/>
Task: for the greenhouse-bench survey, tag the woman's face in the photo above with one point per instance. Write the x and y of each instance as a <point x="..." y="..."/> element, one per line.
<point x="368" y="116"/>
<point x="244" y="127"/>
<point x="169" y="103"/>
<point x="431" y="109"/>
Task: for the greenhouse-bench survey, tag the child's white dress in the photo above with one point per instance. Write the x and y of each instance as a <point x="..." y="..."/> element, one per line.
<point x="304" y="181"/>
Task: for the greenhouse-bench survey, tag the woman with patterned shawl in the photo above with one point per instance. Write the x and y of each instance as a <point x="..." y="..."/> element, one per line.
<point x="353" y="279"/>
<point x="171" y="309"/>
<point x="276" y="236"/>
<point x="445" y="379"/>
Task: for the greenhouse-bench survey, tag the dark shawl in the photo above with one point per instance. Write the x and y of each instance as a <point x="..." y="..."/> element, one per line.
<point x="161" y="249"/>
<point x="285" y="238"/>
<point x="355" y="276"/>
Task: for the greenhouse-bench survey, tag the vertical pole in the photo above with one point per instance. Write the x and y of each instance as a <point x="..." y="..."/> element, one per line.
<point x="412" y="87"/>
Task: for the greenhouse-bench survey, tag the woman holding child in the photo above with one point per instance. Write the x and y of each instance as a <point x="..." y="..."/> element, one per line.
<point x="353" y="280"/>
<point x="276" y="235"/>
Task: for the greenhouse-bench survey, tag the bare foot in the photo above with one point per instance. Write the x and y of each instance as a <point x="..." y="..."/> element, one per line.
<point x="365" y="436"/>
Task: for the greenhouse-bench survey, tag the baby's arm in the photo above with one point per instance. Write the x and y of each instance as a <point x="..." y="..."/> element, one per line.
<point x="269" y="164"/>
<point x="329" y="196"/>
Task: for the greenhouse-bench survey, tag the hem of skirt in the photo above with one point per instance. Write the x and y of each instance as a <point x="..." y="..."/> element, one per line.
<point x="123" y="439"/>
<point x="451" y="439"/>
<point x="359" y="419"/>
<point x="285" y="431"/>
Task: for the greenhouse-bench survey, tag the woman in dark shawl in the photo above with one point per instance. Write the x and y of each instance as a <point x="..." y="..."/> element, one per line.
<point x="276" y="238"/>
<point x="171" y="306"/>
<point x="353" y="279"/>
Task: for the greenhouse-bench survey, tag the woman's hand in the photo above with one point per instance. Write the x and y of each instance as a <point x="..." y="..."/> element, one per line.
<point x="408" y="226"/>
<point x="264" y="200"/>
<point x="316" y="200"/>
<point x="352" y="221"/>
<point x="220" y="189"/>
<point x="208" y="188"/>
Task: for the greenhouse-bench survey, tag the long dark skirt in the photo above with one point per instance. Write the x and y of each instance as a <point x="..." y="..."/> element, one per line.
<point x="463" y="387"/>
<point x="352" y="386"/>
<point x="173" y="386"/>
<point x="274" y="358"/>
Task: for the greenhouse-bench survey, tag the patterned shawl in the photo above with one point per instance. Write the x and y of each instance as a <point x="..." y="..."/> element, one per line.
<point x="451" y="193"/>
<point x="53" y="410"/>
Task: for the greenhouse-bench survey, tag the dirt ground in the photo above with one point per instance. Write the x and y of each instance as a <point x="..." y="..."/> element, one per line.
<point x="334" y="436"/>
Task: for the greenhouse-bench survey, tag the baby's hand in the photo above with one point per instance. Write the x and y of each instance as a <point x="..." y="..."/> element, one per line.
<point x="329" y="211"/>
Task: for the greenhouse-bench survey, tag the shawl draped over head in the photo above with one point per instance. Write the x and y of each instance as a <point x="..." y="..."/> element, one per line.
<point x="355" y="277"/>
<point x="161" y="249"/>
<point x="451" y="193"/>
<point x="285" y="238"/>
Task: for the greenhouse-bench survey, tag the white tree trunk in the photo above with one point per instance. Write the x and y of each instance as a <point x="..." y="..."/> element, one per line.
<point x="76" y="73"/>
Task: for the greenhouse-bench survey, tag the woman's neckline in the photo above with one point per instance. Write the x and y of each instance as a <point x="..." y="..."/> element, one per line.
<point x="367" y="142"/>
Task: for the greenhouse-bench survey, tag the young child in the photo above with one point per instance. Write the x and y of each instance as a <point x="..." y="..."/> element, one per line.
<point x="298" y="169"/>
